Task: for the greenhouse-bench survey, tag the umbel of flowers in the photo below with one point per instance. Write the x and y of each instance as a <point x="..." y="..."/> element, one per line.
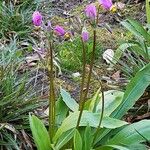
<point x="91" y="14"/>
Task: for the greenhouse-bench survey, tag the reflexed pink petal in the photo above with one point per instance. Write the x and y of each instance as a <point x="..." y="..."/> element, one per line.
<point x="59" y="30"/>
<point x="107" y="4"/>
<point x="90" y="11"/>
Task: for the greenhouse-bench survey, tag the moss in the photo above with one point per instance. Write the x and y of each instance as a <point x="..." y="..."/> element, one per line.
<point x="70" y="53"/>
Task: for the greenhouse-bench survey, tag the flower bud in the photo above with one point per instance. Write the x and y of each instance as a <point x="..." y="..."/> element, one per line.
<point x="59" y="30"/>
<point x="85" y="35"/>
<point x="91" y="12"/>
<point x="37" y="18"/>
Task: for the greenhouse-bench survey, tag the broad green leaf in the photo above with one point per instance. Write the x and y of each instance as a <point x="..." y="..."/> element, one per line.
<point x="131" y="28"/>
<point x="70" y="102"/>
<point x="137" y="147"/>
<point x="88" y="138"/>
<point x="132" y="134"/>
<point x="77" y="141"/>
<point x="112" y="99"/>
<point x="139" y="27"/>
<point x="91" y="104"/>
<point x="64" y="139"/>
<point x="134" y="91"/>
<point x="61" y="111"/>
<point x="111" y="147"/>
<point x="40" y="134"/>
<point x="136" y="28"/>
<point x="87" y="118"/>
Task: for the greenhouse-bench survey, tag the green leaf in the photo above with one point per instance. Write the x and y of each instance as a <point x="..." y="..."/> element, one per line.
<point x="112" y="99"/>
<point x="120" y="50"/>
<point x="40" y="134"/>
<point x="61" y="111"/>
<point x="130" y="136"/>
<point x="77" y="141"/>
<point x="136" y="28"/>
<point x="134" y="91"/>
<point x="88" y="138"/>
<point x="70" y="102"/>
<point x="139" y="27"/>
<point x="111" y="147"/>
<point x="64" y="139"/>
<point x="87" y="118"/>
<point x="91" y="104"/>
<point x="137" y="147"/>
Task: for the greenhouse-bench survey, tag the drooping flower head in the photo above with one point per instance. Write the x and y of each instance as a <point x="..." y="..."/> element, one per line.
<point x="37" y="18"/>
<point x="90" y="11"/>
<point x="59" y="30"/>
<point x="85" y="35"/>
<point x="107" y="4"/>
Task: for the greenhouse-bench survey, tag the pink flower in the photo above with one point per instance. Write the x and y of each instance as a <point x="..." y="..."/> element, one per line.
<point x="85" y="35"/>
<point x="90" y="11"/>
<point x="107" y="4"/>
<point x="59" y="30"/>
<point x="37" y="18"/>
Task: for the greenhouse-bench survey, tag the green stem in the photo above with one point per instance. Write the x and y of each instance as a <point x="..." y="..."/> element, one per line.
<point x="89" y="77"/>
<point x="52" y="94"/>
<point x="102" y="113"/>
<point x="148" y="11"/>
<point x="83" y="75"/>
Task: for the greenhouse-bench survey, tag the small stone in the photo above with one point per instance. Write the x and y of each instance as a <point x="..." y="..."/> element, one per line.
<point x="108" y="56"/>
<point x="76" y="75"/>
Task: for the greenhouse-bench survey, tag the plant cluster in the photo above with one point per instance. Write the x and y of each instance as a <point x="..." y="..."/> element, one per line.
<point x="92" y="123"/>
<point x="15" y="20"/>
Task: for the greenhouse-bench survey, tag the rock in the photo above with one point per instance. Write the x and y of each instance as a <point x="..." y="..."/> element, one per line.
<point x="108" y="56"/>
<point x="76" y="75"/>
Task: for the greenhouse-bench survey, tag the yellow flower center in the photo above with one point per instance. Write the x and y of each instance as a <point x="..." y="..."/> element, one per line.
<point x="113" y="9"/>
<point x="67" y="36"/>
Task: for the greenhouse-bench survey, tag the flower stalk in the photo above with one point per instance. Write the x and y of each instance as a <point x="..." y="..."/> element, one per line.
<point x="147" y="11"/>
<point x="83" y="75"/>
<point x="102" y="113"/>
<point x="91" y="65"/>
<point x="88" y="80"/>
<point x="52" y="93"/>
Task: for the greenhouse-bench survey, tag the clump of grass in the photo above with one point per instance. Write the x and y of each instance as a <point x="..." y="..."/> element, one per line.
<point x="15" y="20"/>
<point x="17" y="96"/>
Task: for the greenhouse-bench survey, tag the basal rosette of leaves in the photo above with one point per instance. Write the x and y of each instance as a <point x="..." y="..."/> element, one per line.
<point x="113" y="132"/>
